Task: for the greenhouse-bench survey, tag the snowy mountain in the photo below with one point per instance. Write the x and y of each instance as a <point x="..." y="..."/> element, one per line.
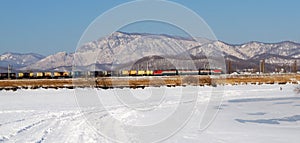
<point x="124" y="47"/>
<point x="127" y="48"/>
<point x="58" y="60"/>
<point x="18" y="60"/>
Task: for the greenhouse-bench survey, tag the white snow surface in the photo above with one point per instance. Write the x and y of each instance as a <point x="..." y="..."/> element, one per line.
<point x="247" y="114"/>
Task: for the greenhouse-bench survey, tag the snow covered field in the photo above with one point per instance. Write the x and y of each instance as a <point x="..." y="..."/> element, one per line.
<point x="244" y="114"/>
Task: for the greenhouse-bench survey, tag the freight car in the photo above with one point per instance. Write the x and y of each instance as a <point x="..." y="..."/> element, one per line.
<point x="97" y="73"/>
<point x="141" y="72"/>
<point x="171" y="72"/>
<point x="61" y="75"/>
<point x="39" y="75"/>
<point x="132" y="73"/>
<point x="48" y="75"/>
<point x="112" y="73"/>
<point x="144" y="72"/>
<point x="79" y="74"/>
<point x="23" y="75"/>
<point x="124" y="73"/>
<point x="188" y="72"/>
<point x="216" y="71"/>
<point x="7" y="75"/>
<point x="148" y="72"/>
<point x="210" y="72"/>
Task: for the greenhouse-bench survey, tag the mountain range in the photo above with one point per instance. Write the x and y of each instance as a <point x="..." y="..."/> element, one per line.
<point x="130" y="49"/>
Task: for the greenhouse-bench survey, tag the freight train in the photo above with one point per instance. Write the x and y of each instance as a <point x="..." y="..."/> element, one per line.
<point x="35" y="75"/>
<point x="85" y="74"/>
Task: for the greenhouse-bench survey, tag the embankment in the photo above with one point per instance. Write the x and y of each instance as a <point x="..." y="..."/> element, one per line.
<point x="141" y="82"/>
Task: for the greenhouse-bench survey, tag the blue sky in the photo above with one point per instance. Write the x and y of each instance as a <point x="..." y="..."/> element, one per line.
<point x="47" y="27"/>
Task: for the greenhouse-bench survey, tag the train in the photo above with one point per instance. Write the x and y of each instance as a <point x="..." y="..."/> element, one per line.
<point x="35" y="75"/>
<point x="122" y="73"/>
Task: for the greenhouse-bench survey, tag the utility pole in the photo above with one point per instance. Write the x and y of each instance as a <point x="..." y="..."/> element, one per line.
<point x="262" y="66"/>
<point x="147" y="65"/>
<point x="9" y="67"/>
<point x="229" y="67"/>
<point x="295" y="67"/>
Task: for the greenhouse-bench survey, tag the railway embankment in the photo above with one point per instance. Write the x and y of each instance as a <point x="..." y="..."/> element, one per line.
<point x="148" y="81"/>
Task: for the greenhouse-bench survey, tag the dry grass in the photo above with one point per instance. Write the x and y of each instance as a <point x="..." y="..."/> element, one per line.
<point x="136" y="82"/>
<point x="267" y="79"/>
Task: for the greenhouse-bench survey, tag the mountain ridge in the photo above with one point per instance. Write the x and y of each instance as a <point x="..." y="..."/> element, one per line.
<point x="124" y="48"/>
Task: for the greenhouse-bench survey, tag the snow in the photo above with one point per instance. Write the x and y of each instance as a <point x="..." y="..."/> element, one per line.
<point x="222" y="114"/>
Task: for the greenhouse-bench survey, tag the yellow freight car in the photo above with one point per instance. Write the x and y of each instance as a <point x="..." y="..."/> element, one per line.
<point x="66" y="74"/>
<point x="125" y="73"/>
<point x="149" y="72"/>
<point x="132" y="72"/>
<point x="31" y="75"/>
<point x="23" y="75"/>
<point x="48" y="74"/>
<point x="57" y="74"/>
<point x="39" y="75"/>
<point x="141" y="73"/>
<point x="20" y="75"/>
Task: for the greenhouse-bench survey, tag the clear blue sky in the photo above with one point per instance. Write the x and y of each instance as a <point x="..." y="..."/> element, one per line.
<point x="47" y="27"/>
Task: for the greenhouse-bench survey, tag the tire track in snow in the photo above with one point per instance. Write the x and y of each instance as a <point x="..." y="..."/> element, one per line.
<point x="30" y="126"/>
<point x="65" y="124"/>
<point x="44" y="136"/>
<point x="78" y="129"/>
<point x="47" y="121"/>
<point x="11" y="122"/>
<point x="19" y="120"/>
<point x="59" y="122"/>
<point x="19" y="123"/>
